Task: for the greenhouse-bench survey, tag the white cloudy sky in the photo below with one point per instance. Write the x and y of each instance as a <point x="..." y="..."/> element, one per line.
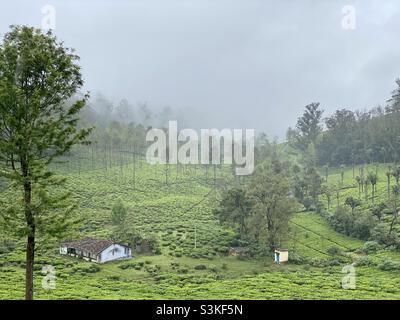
<point x="232" y="63"/>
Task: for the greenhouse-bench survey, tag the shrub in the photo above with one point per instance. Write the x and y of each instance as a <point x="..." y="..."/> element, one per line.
<point x="370" y="247"/>
<point x="342" y="220"/>
<point x="183" y="270"/>
<point x="389" y="265"/>
<point x="93" y="268"/>
<point x="7" y="246"/>
<point x="365" y="262"/>
<point x="308" y="203"/>
<point x="320" y="263"/>
<point x="151" y="269"/>
<point x="352" y="223"/>
<point x="332" y="263"/>
<point x="334" y="251"/>
<point x="200" y="267"/>
<point x="381" y="234"/>
<point x="363" y="226"/>
<point x="297" y="259"/>
<point x="213" y="268"/>
<point x="83" y="269"/>
<point x="127" y="266"/>
<point x="160" y="277"/>
<point x="6" y="270"/>
<point x="222" y="250"/>
<point x="36" y="267"/>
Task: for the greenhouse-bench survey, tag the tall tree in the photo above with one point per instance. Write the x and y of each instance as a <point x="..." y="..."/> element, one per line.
<point x="337" y="142"/>
<point x="373" y="179"/>
<point x="396" y="174"/>
<point x="272" y="203"/>
<point x="388" y="174"/>
<point x="308" y="127"/>
<point x="145" y="114"/>
<point x="234" y="209"/>
<point x="38" y="79"/>
<point x="124" y="112"/>
<point x="313" y="182"/>
<point x="352" y="203"/>
<point x="394" y="101"/>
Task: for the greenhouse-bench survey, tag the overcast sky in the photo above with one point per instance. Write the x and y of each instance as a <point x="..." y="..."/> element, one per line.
<point x="236" y="64"/>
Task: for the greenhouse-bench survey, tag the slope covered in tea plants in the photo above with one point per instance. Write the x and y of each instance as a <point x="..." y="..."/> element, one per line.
<point x="176" y="206"/>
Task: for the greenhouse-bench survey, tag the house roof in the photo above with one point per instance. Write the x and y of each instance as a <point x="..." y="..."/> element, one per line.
<point x="90" y="245"/>
<point x="281" y="250"/>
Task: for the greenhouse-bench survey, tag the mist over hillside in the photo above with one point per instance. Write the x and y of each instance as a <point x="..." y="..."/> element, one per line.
<point x="234" y="64"/>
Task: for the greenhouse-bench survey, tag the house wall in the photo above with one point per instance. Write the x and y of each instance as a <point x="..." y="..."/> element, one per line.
<point x="283" y="256"/>
<point x="114" y="252"/>
<point x="63" y="250"/>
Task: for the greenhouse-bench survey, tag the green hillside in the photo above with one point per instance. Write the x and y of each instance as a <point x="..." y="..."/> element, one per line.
<point x="177" y="209"/>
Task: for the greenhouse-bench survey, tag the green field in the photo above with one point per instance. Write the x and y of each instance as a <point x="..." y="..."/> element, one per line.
<point x="193" y="263"/>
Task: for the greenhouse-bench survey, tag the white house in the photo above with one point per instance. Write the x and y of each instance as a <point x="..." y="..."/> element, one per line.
<point x="96" y="250"/>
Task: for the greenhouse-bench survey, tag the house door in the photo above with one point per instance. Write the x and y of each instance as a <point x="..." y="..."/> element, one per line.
<point x="277" y="258"/>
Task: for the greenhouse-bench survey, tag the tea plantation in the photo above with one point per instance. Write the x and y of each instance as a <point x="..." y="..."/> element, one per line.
<point x="192" y="262"/>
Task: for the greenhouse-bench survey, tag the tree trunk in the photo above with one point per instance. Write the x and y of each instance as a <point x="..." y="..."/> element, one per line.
<point x="30" y="223"/>
<point x="30" y="257"/>
<point x="392" y="223"/>
<point x="215" y="177"/>
<point x="30" y="246"/>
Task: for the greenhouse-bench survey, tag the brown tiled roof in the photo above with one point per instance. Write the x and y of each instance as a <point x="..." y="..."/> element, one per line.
<point x="90" y="245"/>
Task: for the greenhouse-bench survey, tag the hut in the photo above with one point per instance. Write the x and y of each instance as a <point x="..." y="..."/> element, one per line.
<point x="281" y="255"/>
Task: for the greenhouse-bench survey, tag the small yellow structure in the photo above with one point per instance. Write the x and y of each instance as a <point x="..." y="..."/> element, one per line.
<point x="281" y="255"/>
